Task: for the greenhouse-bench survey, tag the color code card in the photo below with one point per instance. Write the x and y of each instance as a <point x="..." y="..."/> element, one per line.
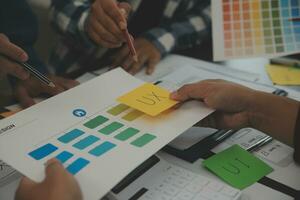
<point x="237" y="167"/>
<point x="251" y="28"/>
<point x="148" y="98"/>
<point x="283" y="75"/>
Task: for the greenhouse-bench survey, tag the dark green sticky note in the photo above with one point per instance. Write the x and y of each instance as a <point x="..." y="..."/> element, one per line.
<point x="237" y="167"/>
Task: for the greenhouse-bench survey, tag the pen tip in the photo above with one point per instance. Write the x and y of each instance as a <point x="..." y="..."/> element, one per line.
<point x="51" y="84"/>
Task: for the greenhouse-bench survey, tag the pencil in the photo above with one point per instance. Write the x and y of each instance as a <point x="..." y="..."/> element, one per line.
<point x="130" y="45"/>
<point x="37" y="74"/>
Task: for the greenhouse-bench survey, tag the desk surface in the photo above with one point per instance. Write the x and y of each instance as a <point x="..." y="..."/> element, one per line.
<point x="234" y="68"/>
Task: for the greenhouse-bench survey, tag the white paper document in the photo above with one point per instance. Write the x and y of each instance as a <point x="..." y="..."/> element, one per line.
<point x="98" y="140"/>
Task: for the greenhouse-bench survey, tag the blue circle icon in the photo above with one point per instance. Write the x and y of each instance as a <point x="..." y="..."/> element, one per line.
<point x="79" y="112"/>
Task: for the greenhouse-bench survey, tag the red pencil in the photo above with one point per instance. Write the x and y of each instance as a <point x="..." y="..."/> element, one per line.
<point x="130" y="45"/>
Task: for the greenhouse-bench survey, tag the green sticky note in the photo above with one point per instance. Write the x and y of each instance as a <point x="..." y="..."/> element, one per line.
<point x="237" y="167"/>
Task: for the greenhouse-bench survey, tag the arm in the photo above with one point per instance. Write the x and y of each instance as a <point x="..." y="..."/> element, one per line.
<point x="182" y="32"/>
<point x="274" y="115"/>
<point x="91" y="23"/>
<point x="69" y="16"/>
<point x="238" y="106"/>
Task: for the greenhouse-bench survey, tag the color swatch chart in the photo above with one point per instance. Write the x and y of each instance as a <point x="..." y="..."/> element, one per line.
<point x="112" y="124"/>
<point x="255" y="28"/>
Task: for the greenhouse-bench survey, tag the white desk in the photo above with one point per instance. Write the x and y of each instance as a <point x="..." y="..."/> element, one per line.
<point x="256" y="191"/>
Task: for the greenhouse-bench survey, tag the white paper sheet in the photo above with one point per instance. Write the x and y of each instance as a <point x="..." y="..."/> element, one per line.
<point x="47" y="121"/>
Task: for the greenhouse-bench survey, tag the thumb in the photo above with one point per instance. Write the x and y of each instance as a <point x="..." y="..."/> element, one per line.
<point x="54" y="171"/>
<point x="189" y="91"/>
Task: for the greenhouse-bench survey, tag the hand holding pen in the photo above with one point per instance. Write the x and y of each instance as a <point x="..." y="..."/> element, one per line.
<point x="9" y="53"/>
<point x="107" y="26"/>
<point x="13" y="61"/>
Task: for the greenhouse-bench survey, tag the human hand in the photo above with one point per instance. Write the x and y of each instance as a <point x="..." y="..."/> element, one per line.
<point x="147" y="54"/>
<point x="58" y="185"/>
<point x="231" y="101"/>
<point x="26" y="90"/>
<point x="10" y="51"/>
<point x="106" y="21"/>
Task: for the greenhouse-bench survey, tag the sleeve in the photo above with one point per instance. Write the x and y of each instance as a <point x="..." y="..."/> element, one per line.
<point x="182" y="32"/>
<point x="68" y="17"/>
<point x="297" y="139"/>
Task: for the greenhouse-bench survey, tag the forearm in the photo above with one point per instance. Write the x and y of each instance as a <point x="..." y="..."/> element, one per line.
<point x="274" y="115"/>
<point x="183" y="33"/>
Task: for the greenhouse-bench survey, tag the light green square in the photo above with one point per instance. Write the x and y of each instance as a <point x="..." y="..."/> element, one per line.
<point x="111" y="128"/>
<point x="143" y="140"/>
<point x="237" y="167"/>
<point x="126" y="134"/>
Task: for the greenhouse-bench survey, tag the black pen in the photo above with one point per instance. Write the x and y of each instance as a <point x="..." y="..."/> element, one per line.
<point x="33" y="71"/>
<point x="157" y="82"/>
<point x="37" y="74"/>
<point x="280" y="92"/>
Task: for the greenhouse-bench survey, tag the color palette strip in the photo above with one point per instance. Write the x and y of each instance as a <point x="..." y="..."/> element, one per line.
<point x="95" y="122"/>
<point x="111" y="128"/>
<point x="64" y="156"/>
<point x="143" y="140"/>
<point x="247" y="28"/>
<point x="43" y="151"/>
<point x="118" y="109"/>
<point x="126" y="134"/>
<point x="77" y="165"/>
<point x="85" y="142"/>
<point x="72" y="135"/>
<point x="102" y="148"/>
<point x="133" y="115"/>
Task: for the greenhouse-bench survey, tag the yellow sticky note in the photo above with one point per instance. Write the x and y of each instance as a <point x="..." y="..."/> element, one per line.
<point x="283" y="75"/>
<point x="149" y="99"/>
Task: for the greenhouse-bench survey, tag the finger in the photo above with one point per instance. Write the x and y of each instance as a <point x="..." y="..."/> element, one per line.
<point x="151" y="66"/>
<point x="125" y="9"/>
<point x="55" y="172"/>
<point x="113" y="11"/>
<point x="65" y="83"/>
<point x="26" y="186"/>
<point x="52" y="91"/>
<point x="120" y="56"/>
<point x="24" y="97"/>
<point x="127" y="63"/>
<point x="98" y="39"/>
<point x="11" y="50"/>
<point x="138" y="65"/>
<point x="100" y="30"/>
<point x="27" y="183"/>
<point x="190" y="91"/>
<point x="107" y="22"/>
<point x="10" y="67"/>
